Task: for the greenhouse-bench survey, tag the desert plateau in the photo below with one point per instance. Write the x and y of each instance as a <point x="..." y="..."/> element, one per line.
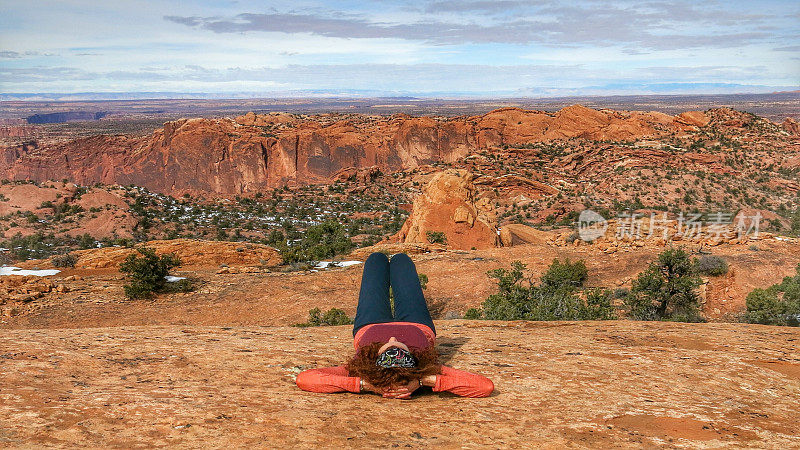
<point x="84" y="364"/>
<point x="416" y="224"/>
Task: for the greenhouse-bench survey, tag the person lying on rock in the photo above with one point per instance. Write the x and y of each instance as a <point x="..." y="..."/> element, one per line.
<point x="397" y="355"/>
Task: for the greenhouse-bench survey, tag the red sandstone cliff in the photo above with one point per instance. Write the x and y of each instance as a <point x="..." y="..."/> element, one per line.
<point x="256" y="152"/>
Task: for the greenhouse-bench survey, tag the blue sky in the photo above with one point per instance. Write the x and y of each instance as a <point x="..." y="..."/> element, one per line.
<point x="425" y="48"/>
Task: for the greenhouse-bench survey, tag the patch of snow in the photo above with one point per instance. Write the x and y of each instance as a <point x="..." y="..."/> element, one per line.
<point x="9" y="270"/>
<point x="326" y="264"/>
<point x="172" y="279"/>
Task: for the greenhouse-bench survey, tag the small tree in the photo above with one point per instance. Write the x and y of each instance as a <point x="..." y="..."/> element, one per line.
<point x="565" y="274"/>
<point x="318" y="242"/>
<point x="777" y="305"/>
<point x="147" y="273"/>
<point x="666" y="290"/>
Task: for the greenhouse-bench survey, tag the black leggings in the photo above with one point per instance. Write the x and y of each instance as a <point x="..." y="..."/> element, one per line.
<point x="373" y="298"/>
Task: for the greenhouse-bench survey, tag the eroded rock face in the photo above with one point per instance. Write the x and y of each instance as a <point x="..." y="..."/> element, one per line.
<point x="448" y="205"/>
<point x="692" y="119"/>
<point x="791" y="126"/>
<point x="517" y="234"/>
<point x="257" y="152"/>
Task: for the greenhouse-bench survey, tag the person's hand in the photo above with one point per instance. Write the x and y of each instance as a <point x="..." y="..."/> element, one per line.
<point x="366" y="386"/>
<point x="403" y="391"/>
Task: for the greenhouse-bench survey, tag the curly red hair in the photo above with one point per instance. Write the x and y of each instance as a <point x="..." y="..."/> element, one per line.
<point x="364" y="365"/>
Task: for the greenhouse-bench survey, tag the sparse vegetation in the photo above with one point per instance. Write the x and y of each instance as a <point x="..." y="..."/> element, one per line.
<point x="558" y="296"/>
<point x="779" y="304"/>
<point x="332" y="317"/>
<point x="146" y="274"/>
<point x="436" y="237"/>
<point x="711" y="265"/>
<point x="68" y="260"/>
<point x="666" y="290"/>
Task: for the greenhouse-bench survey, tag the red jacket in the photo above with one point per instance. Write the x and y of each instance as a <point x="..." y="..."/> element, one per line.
<point x="337" y="379"/>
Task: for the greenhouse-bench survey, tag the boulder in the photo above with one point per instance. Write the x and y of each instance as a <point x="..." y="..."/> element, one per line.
<point x="518" y="234"/>
<point x="447" y="205"/>
<point x="692" y="119"/>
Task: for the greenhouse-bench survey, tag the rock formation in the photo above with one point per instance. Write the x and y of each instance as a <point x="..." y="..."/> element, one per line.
<point x="517" y="234"/>
<point x="191" y="253"/>
<point x="791" y="126"/>
<point x="448" y="205"/>
<point x="257" y="152"/>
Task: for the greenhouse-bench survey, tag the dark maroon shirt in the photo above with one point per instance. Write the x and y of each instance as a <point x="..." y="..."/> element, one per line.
<point x="411" y="334"/>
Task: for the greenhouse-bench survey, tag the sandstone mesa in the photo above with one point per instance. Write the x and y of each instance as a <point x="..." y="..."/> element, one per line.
<point x="257" y="152"/>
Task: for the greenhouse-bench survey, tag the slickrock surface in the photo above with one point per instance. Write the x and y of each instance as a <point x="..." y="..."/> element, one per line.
<point x="589" y="384"/>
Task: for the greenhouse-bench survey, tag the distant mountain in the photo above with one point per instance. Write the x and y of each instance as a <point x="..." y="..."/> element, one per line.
<point x="61" y="117"/>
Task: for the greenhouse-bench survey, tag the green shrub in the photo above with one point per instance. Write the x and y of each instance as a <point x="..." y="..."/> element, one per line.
<point x="185" y="285"/>
<point x="777" y="305"/>
<point x="557" y="297"/>
<point x="146" y="273"/>
<point x="321" y="241"/>
<point x="436" y="237"/>
<point x="565" y="274"/>
<point x="666" y="290"/>
<point x="711" y="265"/>
<point x="332" y="317"/>
<point x="68" y="260"/>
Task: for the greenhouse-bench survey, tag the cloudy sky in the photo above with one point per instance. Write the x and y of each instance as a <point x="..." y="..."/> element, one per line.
<point x="376" y="47"/>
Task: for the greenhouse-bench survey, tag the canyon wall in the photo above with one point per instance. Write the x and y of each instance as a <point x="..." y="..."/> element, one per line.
<point x="257" y="152"/>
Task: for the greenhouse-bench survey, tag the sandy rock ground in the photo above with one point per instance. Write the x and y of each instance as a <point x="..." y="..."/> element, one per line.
<point x="558" y="384"/>
<point x="457" y="281"/>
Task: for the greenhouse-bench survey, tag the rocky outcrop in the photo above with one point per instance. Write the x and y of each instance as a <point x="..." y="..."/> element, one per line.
<point x="191" y="253"/>
<point x="257" y="152"/>
<point x="518" y="234"/>
<point x="448" y="205"/>
<point x="16" y="289"/>
<point x="791" y="126"/>
<point x="692" y="119"/>
<point x="99" y="212"/>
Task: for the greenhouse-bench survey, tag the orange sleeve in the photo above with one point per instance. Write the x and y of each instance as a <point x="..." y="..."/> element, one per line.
<point x="328" y="380"/>
<point x="463" y="383"/>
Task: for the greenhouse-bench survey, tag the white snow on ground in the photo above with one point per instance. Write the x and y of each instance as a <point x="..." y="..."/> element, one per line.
<point x="9" y="270"/>
<point x="172" y="279"/>
<point x="326" y="264"/>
